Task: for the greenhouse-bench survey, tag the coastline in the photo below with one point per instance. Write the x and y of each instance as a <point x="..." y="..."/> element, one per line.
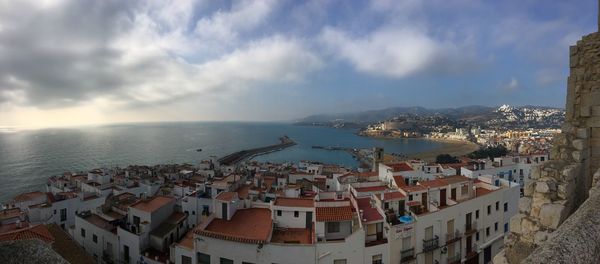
<point x="452" y="147"/>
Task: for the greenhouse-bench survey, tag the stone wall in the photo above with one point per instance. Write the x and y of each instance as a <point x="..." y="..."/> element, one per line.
<point x="561" y="185"/>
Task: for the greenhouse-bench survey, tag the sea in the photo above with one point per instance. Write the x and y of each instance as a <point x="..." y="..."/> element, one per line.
<point x="29" y="157"/>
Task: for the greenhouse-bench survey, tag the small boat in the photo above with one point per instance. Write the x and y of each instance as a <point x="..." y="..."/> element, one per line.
<point x="199" y="150"/>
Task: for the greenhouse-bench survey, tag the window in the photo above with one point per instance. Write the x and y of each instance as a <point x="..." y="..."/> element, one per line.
<point x="225" y="261"/>
<point x="410" y="197"/>
<point x="497" y="206"/>
<point x="186" y="260"/>
<point x="487" y="231"/>
<point x="296" y="214"/>
<point x="203" y="258"/>
<point x="477" y="236"/>
<point x="193" y="212"/>
<point x="339" y="261"/>
<point x="63" y="214"/>
<point x="333" y="227"/>
<point x="278" y="212"/>
<point x="489" y="209"/>
<point x="386" y="205"/>
<point x="505" y="227"/>
<point x="505" y="207"/>
<point x="496" y="226"/>
<point x="477" y="214"/>
<point x="244" y="262"/>
<point x="377" y="259"/>
<point x="54" y="211"/>
<point x="82" y="232"/>
<point x="95" y="238"/>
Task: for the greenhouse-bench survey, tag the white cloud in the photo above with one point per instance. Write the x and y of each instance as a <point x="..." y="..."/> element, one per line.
<point x="397" y="52"/>
<point x="511" y="85"/>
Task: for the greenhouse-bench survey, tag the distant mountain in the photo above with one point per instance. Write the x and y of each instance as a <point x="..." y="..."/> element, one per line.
<point x="504" y="116"/>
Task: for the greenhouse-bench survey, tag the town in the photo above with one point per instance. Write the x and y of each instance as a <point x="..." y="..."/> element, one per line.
<point x="402" y="211"/>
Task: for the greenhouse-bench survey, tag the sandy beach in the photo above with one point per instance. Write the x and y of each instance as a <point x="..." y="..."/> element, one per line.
<point x="452" y="147"/>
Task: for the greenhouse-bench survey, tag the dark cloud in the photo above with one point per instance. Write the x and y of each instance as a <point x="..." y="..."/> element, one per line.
<point x="61" y="54"/>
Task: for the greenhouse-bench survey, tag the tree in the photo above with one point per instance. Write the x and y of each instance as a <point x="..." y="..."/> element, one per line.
<point x="445" y="159"/>
<point x="489" y="152"/>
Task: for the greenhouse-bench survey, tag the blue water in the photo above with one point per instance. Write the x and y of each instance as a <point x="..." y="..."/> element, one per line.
<point x="28" y="158"/>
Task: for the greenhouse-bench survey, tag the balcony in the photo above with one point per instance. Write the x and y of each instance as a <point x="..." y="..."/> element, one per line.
<point x="454" y="259"/>
<point x="472" y="252"/>
<point x="470" y="228"/>
<point x="431" y="244"/>
<point x="453" y="237"/>
<point x="407" y="254"/>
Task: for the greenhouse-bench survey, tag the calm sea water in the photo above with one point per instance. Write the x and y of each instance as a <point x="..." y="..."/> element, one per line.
<point x="28" y="158"/>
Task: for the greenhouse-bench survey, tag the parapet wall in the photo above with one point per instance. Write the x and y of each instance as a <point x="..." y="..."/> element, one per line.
<point x="561" y="185"/>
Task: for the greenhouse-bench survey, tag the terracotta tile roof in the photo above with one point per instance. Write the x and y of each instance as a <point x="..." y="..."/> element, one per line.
<point x="369" y="213"/>
<point x="295" y="202"/>
<point x="28" y="196"/>
<point x="334" y="214"/>
<point x="153" y="204"/>
<point x="252" y="225"/>
<point x="401" y="166"/>
<point x="226" y="196"/>
<point x="371" y="189"/>
<point x="292" y="236"/>
<point x="393" y="196"/>
<point x="399" y="180"/>
<point x="33" y="232"/>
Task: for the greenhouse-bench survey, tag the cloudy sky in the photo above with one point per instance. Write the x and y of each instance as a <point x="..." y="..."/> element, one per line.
<point x="88" y="62"/>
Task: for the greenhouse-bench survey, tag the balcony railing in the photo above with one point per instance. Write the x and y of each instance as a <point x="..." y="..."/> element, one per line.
<point x="472" y="252"/>
<point x="470" y="228"/>
<point x="431" y="244"/>
<point x="453" y="237"/>
<point x="407" y="254"/>
<point x="454" y="259"/>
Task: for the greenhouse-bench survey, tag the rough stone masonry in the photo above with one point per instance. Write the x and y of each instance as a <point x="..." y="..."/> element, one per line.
<point x="562" y="184"/>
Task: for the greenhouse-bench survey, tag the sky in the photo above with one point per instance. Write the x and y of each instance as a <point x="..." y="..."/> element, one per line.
<point x="81" y="62"/>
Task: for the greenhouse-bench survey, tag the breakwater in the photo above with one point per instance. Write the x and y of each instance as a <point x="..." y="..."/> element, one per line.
<point x="241" y="155"/>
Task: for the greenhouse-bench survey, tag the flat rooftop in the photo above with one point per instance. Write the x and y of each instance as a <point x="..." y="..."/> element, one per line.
<point x="153" y="204"/>
<point x="252" y="225"/>
<point x="292" y="236"/>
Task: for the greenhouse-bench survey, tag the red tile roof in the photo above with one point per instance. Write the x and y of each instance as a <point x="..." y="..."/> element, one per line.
<point x="226" y="196"/>
<point x="399" y="181"/>
<point x="34" y="232"/>
<point x="252" y="225"/>
<point x="295" y="202"/>
<point x="402" y="166"/>
<point x="334" y="214"/>
<point x="369" y="213"/>
<point x="153" y="204"/>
